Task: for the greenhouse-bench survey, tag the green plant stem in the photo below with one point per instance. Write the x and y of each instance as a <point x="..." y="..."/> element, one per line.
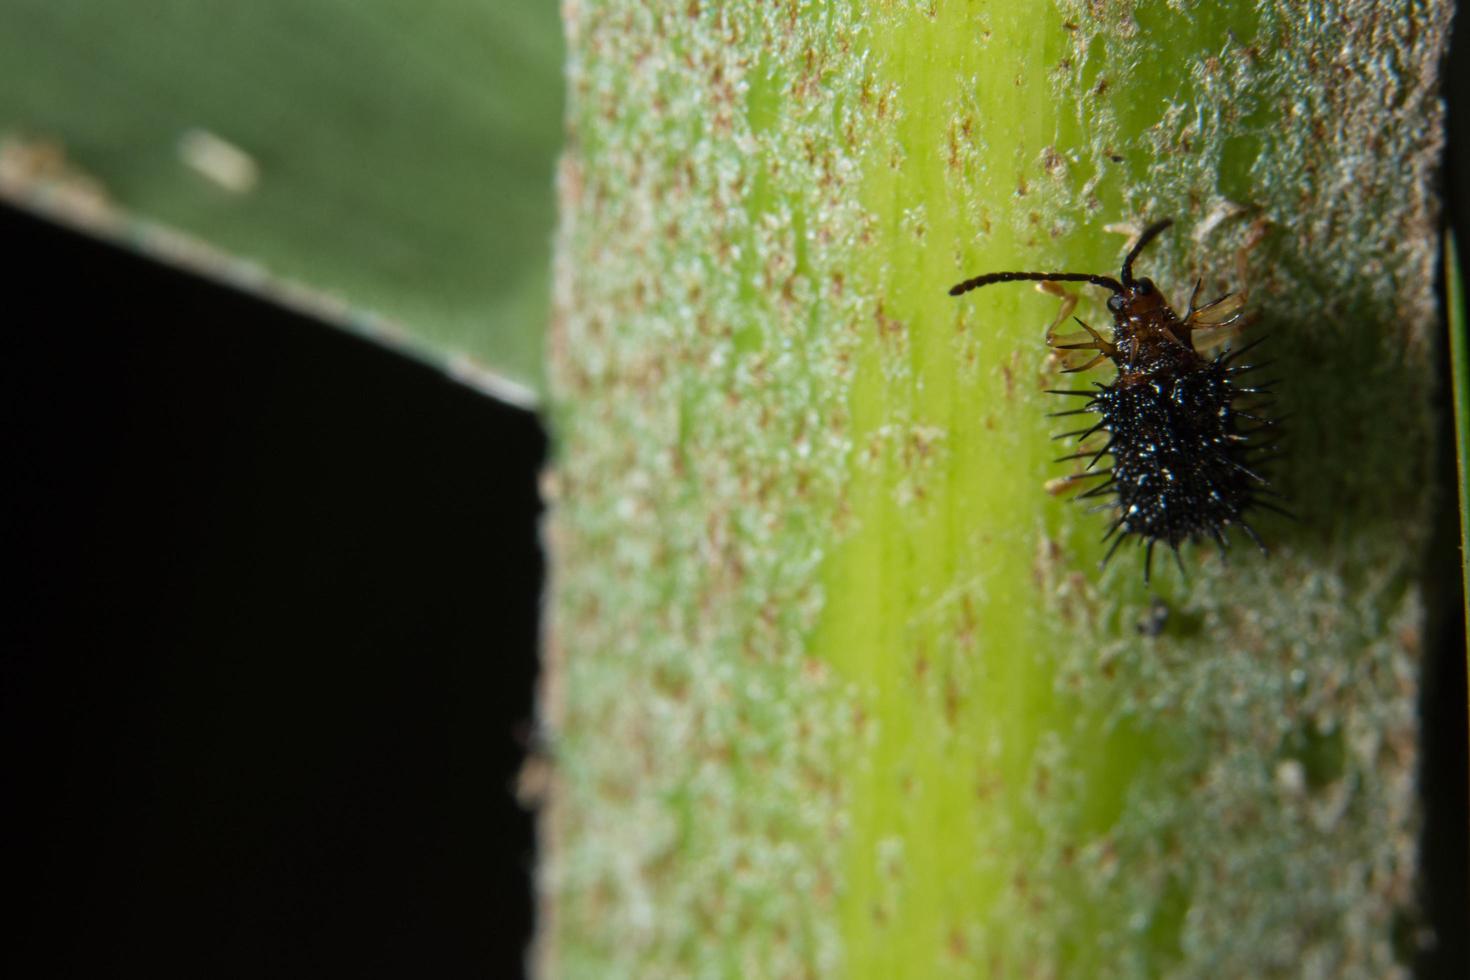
<point x="834" y="683"/>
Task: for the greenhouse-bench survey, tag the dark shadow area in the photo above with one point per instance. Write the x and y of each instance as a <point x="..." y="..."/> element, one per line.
<point x="1445" y="773"/>
<point x="268" y="661"/>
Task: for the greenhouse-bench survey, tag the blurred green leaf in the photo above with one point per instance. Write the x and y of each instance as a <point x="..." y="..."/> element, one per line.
<point x="388" y="166"/>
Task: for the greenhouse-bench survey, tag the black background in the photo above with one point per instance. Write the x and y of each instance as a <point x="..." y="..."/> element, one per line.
<point x="269" y="657"/>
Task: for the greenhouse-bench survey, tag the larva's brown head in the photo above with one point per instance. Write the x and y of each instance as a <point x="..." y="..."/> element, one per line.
<point x="1138" y="297"/>
<point x="1142" y="298"/>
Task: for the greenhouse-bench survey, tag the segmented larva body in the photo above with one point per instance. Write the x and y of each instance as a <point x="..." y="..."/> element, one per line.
<point x="1184" y="463"/>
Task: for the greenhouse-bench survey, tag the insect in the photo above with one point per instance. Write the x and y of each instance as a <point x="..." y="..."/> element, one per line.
<point x="1183" y="464"/>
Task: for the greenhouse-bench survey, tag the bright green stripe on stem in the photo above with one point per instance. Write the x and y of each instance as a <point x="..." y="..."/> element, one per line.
<point x="934" y="599"/>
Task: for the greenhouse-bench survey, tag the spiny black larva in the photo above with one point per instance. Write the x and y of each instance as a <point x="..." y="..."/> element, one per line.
<point x="1183" y="467"/>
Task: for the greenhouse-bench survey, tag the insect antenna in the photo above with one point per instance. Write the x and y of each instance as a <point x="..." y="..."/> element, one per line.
<point x="1149" y="234"/>
<point x="1107" y="282"/>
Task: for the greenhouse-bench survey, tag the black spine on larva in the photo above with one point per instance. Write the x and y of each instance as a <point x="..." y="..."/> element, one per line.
<point x="1182" y="465"/>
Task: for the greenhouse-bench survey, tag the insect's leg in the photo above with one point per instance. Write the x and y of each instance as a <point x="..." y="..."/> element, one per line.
<point x="1059" y="342"/>
<point x="1104" y="348"/>
<point x="1215" y="323"/>
<point x="1194" y="295"/>
<point x="1241" y="322"/>
<point x="1224" y="319"/>
<point x="1083" y="367"/>
<point x="1096" y="343"/>
<point x="1254" y="237"/>
<point x="1056" y="341"/>
<point x="1065" y="310"/>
